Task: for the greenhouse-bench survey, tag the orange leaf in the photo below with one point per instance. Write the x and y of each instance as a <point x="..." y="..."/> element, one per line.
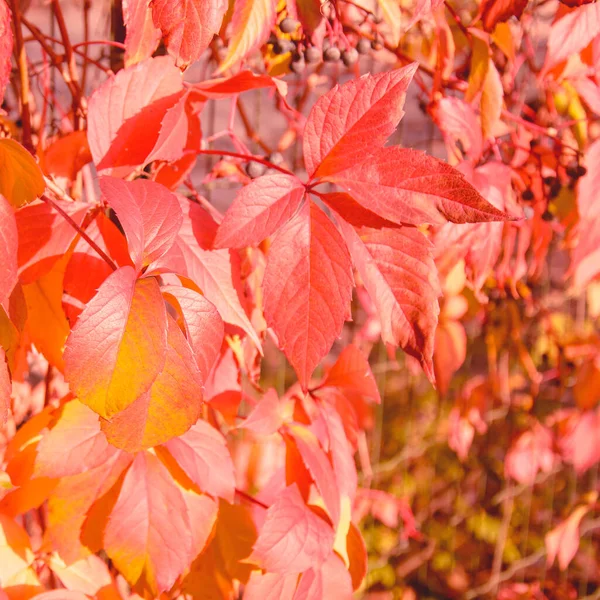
<point x="21" y="179"/>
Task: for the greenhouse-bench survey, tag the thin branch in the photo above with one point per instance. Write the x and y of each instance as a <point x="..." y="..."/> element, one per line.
<point x="248" y="157"/>
<point x="79" y="230"/>
<point x="250" y="498"/>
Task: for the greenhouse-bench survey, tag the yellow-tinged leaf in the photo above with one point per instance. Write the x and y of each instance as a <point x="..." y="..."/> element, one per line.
<point x="480" y="61"/>
<point x="119" y="344"/>
<point x="21" y="179"/>
<point x="491" y="101"/>
<point x="390" y="11"/>
<point x="503" y="38"/>
<point x="251" y="23"/>
<point x="15" y="551"/>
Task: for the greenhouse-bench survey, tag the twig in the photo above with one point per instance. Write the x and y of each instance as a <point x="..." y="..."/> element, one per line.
<point x="77" y="228"/>
<point x="250" y="498"/>
<point x="248" y="157"/>
<point x="23" y="75"/>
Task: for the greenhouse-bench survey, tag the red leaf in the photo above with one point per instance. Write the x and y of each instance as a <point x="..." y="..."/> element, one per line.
<point x="171" y="406"/>
<point x="259" y="210"/>
<point x="308" y="288"/>
<point x="579" y="446"/>
<point x="45" y="236"/>
<point x="586" y="255"/>
<point x="215" y="272"/>
<point x="119" y="344"/>
<point x="126" y="111"/>
<point x="148" y="533"/>
<point x="9" y="244"/>
<point x="352" y="212"/>
<point x="188" y="26"/>
<point x="498" y="11"/>
<point x="531" y="453"/>
<point x="353" y="121"/>
<point x="243" y="81"/>
<point x="411" y="188"/>
<point x="74" y="445"/>
<point x="202" y="511"/>
<point x="319" y="467"/>
<point x="572" y="33"/>
<point x="450" y="352"/>
<point x="142" y="36"/>
<point x="203" y="454"/>
<point x="458" y="122"/>
<point x="204" y="327"/>
<point x="293" y="538"/>
<point x="398" y="272"/>
<point x="352" y="372"/>
<point x="6" y="47"/>
<point x="149" y="214"/>
<point x="423" y="8"/>
<point x="5" y="388"/>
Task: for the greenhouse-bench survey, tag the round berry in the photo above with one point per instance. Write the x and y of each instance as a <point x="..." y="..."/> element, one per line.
<point x="555" y="189"/>
<point x="276" y="158"/>
<point x="363" y="46"/>
<point x="255" y="169"/>
<point x="581" y="171"/>
<point x="349" y="56"/>
<point x="283" y="46"/>
<point x="547" y="215"/>
<point x="332" y="54"/>
<point x="312" y="55"/>
<point x="298" y="64"/>
<point x="288" y="25"/>
<point x="527" y="195"/>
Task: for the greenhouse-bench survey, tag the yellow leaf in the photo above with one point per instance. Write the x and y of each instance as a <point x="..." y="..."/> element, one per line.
<point x="502" y="37"/>
<point x="21" y="179"/>
<point x="480" y="61"/>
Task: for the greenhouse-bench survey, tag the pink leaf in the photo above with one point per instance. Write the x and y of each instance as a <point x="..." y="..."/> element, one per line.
<point x="188" y="26"/>
<point x="411" y="188"/>
<point x="293" y="538"/>
<point x="458" y="122"/>
<point x="148" y="533"/>
<point x="266" y="417"/>
<point x="579" y="445"/>
<point x="9" y="244"/>
<point x="531" y="453"/>
<point x="142" y="36"/>
<point x="74" y="445"/>
<point x="270" y="586"/>
<point x="149" y="214"/>
<point x="6" y="47"/>
<point x="329" y="580"/>
<point x="203" y="454"/>
<point x="259" y="210"/>
<point x="308" y="288"/>
<point x="399" y="274"/>
<point x="203" y="325"/>
<point x="563" y="540"/>
<point x="572" y="33"/>
<point x="342" y="121"/>
<point x="243" y="81"/>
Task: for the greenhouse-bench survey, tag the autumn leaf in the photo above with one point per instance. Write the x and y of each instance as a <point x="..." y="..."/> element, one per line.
<point x="306" y="312"/>
<point x="6" y="46"/>
<point x="22" y="180"/>
<point x="142" y="36"/>
<point x="331" y="579"/>
<point x="398" y="272"/>
<point x="203" y="454"/>
<point x="5" y="388"/>
<point x="169" y="408"/>
<point x="188" y="26"/>
<point x="250" y="26"/>
<point x="119" y="344"/>
<point x="259" y="210"/>
<point x="9" y="244"/>
<point x="499" y="11"/>
<point x="293" y="538"/>
<point x="409" y="187"/>
<point x="148" y="532"/>
<point x="270" y="586"/>
<point x="341" y="120"/>
<point x="563" y="541"/>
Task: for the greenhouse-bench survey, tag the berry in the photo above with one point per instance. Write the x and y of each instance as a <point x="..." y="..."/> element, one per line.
<point x="555" y="188"/>
<point x="550" y="180"/>
<point x="527" y="195"/>
<point x="547" y="215"/>
<point x="255" y="169"/>
<point x="283" y="46"/>
<point x="349" y="56"/>
<point x="288" y="25"/>
<point x="298" y="64"/>
<point x="276" y="158"/>
<point x="581" y="171"/>
<point x="363" y="46"/>
<point x="312" y="55"/>
<point x="332" y="54"/>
